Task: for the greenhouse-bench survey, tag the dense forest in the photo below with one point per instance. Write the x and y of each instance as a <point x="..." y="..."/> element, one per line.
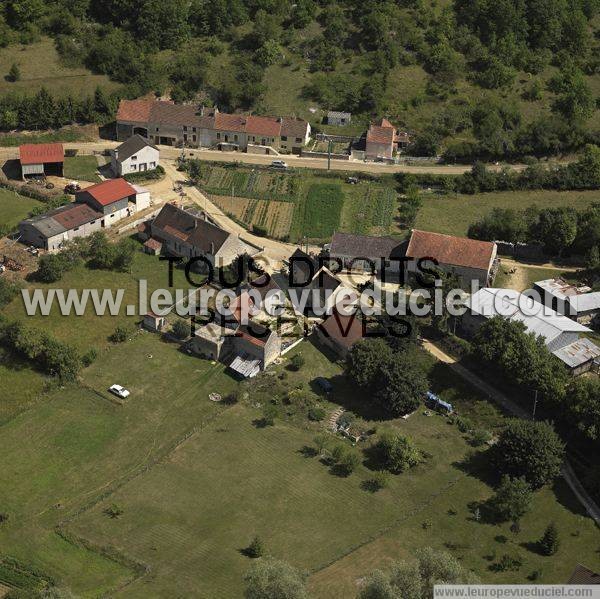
<point x="483" y="62"/>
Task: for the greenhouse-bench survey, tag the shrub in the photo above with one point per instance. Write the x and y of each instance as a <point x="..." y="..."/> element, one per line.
<point x="377" y="481"/>
<point x="396" y="452"/>
<point x="316" y="413"/>
<point x="480" y="437"/>
<point x="114" y="511"/>
<point x="3" y="517"/>
<point x="512" y="499"/>
<point x="256" y="548"/>
<point x="89" y="357"/>
<point x="119" y="335"/>
<point x="549" y="542"/>
<point x="321" y="442"/>
<point x="269" y="414"/>
<point x="296" y="362"/>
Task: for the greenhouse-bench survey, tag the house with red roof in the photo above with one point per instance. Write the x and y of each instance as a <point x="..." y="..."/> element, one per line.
<point x="114" y="199"/>
<point x="468" y="259"/>
<point x="41" y="160"/>
<point x="383" y="139"/>
<point x="172" y="124"/>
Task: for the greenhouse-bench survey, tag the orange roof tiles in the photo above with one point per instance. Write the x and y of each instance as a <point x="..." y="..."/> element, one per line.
<point x="447" y="249"/>
<point x="137" y="111"/>
<point x="110" y="191"/>
<point x="41" y="153"/>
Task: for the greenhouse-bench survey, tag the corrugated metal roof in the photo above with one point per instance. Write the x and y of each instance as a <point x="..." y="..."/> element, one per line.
<point x="536" y="317"/>
<point x="577" y="353"/>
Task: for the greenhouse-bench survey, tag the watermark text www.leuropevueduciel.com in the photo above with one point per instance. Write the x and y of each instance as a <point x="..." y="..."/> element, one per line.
<point x="309" y="289"/>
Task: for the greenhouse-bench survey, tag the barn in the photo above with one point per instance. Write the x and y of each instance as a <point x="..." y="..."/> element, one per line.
<point x="39" y="160"/>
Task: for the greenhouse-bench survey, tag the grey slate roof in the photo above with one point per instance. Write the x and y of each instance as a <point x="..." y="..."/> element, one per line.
<point x="365" y="246"/>
<point x="132" y="146"/>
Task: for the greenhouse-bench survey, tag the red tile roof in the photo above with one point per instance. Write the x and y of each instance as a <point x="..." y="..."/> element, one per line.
<point x="447" y="249"/>
<point x="136" y="111"/>
<point x="75" y="216"/>
<point x="344" y="330"/>
<point x="153" y="244"/>
<point x="110" y="191"/>
<point x="380" y="135"/>
<point x="263" y="125"/>
<point x="40" y="153"/>
<point x="230" y="122"/>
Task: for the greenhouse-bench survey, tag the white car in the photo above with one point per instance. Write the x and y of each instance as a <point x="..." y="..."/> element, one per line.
<point x="279" y="164"/>
<point x="119" y="391"/>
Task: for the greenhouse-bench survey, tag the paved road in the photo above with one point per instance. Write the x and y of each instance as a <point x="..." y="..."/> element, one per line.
<point x="7" y="153"/>
<point x="492" y="393"/>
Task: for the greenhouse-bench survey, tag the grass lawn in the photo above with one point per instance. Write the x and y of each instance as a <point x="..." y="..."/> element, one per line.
<point x="525" y="276"/>
<point x="14" y="207"/>
<point x="89" y="330"/>
<point x="82" y="168"/>
<point x="319" y="212"/>
<point x="80" y="445"/>
<point x="41" y="66"/>
<point x="452" y="214"/>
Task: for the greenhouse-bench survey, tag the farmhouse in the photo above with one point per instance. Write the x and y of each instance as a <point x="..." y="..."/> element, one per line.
<point x="576" y="302"/>
<point x="364" y="252"/>
<point x="41" y="160"/>
<point x="184" y="234"/>
<point x="115" y="199"/>
<point x="559" y="333"/>
<point x="339" y="332"/>
<point x="383" y="139"/>
<point x="136" y="155"/>
<point x="50" y="231"/>
<point x="188" y="125"/>
<point x="468" y="259"/>
<point x="338" y="118"/>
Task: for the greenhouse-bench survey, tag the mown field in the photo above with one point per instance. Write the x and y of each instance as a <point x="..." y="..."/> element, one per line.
<point x="319" y="205"/>
<point x="196" y="481"/>
<point x="452" y="214"/>
<point x="14" y="208"/>
<point x="41" y="66"/>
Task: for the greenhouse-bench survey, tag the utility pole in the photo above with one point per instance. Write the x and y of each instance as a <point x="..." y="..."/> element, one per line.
<point x="534" y="405"/>
<point x="329" y="155"/>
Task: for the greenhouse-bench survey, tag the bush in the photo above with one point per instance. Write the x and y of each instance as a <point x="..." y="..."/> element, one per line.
<point x="512" y="500"/>
<point x="549" y="542"/>
<point x="3" y="517"/>
<point x="396" y="452"/>
<point x="89" y="357"/>
<point x="316" y="413"/>
<point x="256" y="548"/>
<point x="377" y="481"/>
<point x="296" y="362"/>
<point x="114" y="511"/>
<point x="119" y="335"/>
<point x="480" y="437"/>
<point x="151" y="175"/>
<point x="269" y="414"/>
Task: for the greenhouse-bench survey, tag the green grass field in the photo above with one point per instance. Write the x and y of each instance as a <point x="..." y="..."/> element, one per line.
<point x="41" y="66"/>
<point x="82" y="168"/>
<point x="452" y="214"/>
<point x="14" y="207"/>
<point x="197" y="480"/>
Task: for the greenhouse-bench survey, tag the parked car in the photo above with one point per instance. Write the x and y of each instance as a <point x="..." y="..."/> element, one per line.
<point x="352" y="180"/>
<point x="119" y="391"/>
<point x="279" y="164"/>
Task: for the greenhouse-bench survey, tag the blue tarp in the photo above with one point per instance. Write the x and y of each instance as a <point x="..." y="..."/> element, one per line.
<point x="438" y="402"/>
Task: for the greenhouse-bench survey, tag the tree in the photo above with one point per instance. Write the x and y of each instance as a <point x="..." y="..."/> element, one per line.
<point x="272" y="579"/>
<point x="181" y="329"/>
<point x="194" y="170"/>
<point x="51" y="268"/>
<point x="582" y="406"/>
<point x="269" y="414"/>
<point x="396" y="452"/>
<point x="531" y="450"/>
<point x="365" y="360"/>
<point x="549" y="542"/>
<point x="410" y="580"/>
<point x="14" y="74"/>
<point x="556" y="229"/>
<point x="512" y="499"/>
<point x="297" y="362"/>
<point x="402" y="384"/>
<point x="256" y="548"/>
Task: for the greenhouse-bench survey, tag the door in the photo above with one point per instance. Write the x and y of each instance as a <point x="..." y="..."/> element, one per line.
<point x="143" y="166"/>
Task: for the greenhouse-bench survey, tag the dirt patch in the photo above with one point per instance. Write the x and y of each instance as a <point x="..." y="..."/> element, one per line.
<point x="4" y="590"/>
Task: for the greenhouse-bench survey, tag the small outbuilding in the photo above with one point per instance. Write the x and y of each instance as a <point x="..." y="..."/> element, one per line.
<point x="152" y="246"/>
<point x="338" y="118"/>
<point x="153" y="322"/>
<point x="579" y="356"/>
<point x="40" y="160"/>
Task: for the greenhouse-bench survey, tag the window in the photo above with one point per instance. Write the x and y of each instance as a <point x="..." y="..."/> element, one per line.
<point x="134" y="158"/>
<point x="284" y="138"/>
<point x="298" y="140"/>
<point x="193" y="138"/>
<point x="194" y="129"/>
<point x="185" y="127"/>
<point x="76" y="229"/>
<point x="153" y="165"/>
<point x="112" y="215"/>
<point x="235" y="138"/>
<point x="134" y="167"/>
<point x="218" y="136"/>
<point x="157" y="129"/>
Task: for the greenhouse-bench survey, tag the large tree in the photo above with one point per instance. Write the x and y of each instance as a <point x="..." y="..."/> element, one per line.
<point x="531" y="450"/>
<point x="274" y="579"/>
<point x="512" y="499"/>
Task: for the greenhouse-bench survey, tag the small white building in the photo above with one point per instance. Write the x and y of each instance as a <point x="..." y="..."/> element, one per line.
<point x="576" y="302"/>
<point x="135" y="155"/>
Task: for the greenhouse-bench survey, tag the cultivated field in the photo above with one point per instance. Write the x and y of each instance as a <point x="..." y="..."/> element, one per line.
<point x="261" y="216"/>
<point x="318" y="205"/>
